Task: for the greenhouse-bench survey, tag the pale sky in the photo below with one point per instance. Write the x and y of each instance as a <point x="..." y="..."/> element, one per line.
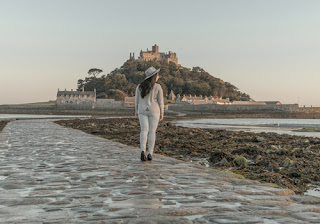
<point x="269" y="49"/>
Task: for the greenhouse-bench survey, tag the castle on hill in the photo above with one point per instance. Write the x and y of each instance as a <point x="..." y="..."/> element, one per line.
<point x="155" y="55"/>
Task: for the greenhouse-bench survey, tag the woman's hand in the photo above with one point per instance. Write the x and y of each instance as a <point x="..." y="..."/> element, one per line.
<point x="161" y="118"/>
<point x="136" y="115"/>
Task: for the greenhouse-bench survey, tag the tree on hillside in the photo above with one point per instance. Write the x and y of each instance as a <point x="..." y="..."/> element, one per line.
<point x="120" y="82"/>
<point x="116" y="94"/>
<point x="94" y="72"/>
<point x="80" y="84"/>
<point x="180" y="80"/>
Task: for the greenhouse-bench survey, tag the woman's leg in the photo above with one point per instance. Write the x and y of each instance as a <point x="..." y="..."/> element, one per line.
<point x="144" y="125"/>
<point x="153" y="124"/>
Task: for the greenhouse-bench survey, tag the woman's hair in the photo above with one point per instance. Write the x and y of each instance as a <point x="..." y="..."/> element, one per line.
<point x="146" y="85"/>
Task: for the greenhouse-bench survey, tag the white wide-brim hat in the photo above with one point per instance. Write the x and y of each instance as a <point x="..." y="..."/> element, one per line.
<point x="150" y="72"/>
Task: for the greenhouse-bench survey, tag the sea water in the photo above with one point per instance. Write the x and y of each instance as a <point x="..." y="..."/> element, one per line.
<point x="279" y="126"/>
<point x="15" y="116"/>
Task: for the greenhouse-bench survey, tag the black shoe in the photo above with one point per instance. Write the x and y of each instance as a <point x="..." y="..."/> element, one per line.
<point x="149" y="157"/>
<point x="143" y="156"/>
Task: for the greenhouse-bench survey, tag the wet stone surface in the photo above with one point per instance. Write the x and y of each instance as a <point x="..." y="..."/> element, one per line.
<point x="53" y="174"/>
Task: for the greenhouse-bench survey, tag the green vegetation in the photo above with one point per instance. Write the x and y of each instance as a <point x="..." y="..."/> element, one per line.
<point x="307" y="130"/>
<point x="181" y="80"/>
<point x="241" y="161"/>
<point x="94" y="72"/>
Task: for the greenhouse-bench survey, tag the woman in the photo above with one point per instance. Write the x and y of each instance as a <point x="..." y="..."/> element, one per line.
<point x="149" y="108"/>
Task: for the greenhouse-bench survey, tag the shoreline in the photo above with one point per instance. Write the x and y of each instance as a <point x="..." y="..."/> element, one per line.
<point x="168" y="113"/>
<point x="288" y="161"/>
<point x="258" y="125"/>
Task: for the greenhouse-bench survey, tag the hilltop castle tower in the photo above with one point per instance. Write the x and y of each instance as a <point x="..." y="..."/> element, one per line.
<point x="132" y="56"/>
<point x="155" y="55"/>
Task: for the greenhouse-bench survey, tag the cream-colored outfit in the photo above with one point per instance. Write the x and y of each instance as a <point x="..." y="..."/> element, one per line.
<point x="152" y="102"/>
<point x="149" y="110"/>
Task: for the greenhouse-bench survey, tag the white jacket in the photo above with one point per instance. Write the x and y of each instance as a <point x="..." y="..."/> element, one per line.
<point x="152" y="102"/>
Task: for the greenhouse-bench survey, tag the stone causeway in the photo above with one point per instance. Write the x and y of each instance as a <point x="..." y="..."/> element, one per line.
<point x="53" y="174"/>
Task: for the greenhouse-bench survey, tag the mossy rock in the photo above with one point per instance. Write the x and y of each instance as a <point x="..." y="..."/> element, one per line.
<point x="241" y="161"/>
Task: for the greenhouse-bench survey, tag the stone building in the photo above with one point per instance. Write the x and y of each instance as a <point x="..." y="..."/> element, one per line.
<point x="155" y="55"/>
<point x="197" y="100"/>
<point x="76" y="98"/>
<point x="188" y="98"/>
<point x="219" y="100"/>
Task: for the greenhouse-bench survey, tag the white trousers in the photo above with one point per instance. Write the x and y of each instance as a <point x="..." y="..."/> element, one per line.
<point x="148" y="123"/>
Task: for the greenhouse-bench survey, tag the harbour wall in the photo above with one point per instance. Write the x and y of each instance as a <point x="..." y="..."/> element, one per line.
<point x="109" y="103"/>
<point x="213" y="108"/>
<point x="68" y="109"/>
<point x="111" y="106"/>
<point x="309" y="109"/>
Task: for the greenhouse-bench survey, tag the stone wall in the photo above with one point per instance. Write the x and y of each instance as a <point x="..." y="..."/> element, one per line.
<point x="109" y="103"/>
<point x="24" y="107"/>
<point x="212" y="108"/>
<point x="309" y="109"/>
<point x="99" y="104"/>
<point x="20" y="109"/>
<point x="82" y="106"/>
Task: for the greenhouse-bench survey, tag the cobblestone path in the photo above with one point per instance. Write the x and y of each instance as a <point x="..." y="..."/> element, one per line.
<point x="52" y="174"/>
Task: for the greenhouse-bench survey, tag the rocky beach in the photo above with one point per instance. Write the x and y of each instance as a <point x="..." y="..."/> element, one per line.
<point x="285" y="160"/>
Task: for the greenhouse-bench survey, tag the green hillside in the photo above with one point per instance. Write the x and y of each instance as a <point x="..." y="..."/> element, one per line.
<point x="122" y="81"/>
